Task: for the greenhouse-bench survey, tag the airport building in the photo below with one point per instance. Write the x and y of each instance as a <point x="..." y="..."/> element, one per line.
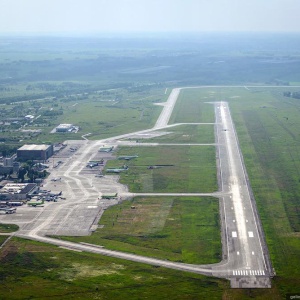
<point x="17" y="191"/>
<point x="35" y="152"/>
<point x="65" y="128"/>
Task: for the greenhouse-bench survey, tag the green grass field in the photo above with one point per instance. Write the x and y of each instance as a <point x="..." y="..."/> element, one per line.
<point x="187" y="169"/>
<point x="7" y="228"/>
<point x="178" y="229"/>
<point x="31" y="270"/>
<point x="184" y="134"/>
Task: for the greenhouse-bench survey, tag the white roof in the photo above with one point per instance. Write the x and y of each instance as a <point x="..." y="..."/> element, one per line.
<point x="15" y="188"/>
<point x="64" y="125"/>
<point x="34" y="147"/>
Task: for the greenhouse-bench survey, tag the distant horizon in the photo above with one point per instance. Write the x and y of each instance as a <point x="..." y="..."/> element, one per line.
<point x="139" y="33"/>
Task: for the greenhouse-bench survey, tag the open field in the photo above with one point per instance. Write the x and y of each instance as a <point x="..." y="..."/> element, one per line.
<point x="181" y="169"/>
<point x="185" y="134"/>
<point x="197" y="110"/>
<point x="177" y="229"/>
<point x="31" y="270"/>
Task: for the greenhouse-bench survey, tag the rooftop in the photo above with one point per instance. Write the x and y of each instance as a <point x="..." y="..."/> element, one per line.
<point x="64" y="126"/>
<point x="18" y="188"/>
<point x="34" y="147"/>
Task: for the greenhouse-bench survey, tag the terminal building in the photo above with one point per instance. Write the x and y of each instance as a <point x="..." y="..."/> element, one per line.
<point x="35" y="152"/>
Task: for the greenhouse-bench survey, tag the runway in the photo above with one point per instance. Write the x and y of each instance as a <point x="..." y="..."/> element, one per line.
<point x="246" y="255"/>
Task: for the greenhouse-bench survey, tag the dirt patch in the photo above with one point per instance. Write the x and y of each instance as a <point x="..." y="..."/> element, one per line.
<point x="78" y="270"/>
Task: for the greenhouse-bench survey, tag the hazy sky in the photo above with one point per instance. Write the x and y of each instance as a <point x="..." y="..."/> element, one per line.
<point x="148" y="15"/>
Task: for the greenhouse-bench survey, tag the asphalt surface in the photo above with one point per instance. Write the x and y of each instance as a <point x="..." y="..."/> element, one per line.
<point x="245" y="256"/>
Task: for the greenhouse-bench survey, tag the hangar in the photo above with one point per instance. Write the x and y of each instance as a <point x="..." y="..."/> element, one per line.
<point x="35" y="152"/>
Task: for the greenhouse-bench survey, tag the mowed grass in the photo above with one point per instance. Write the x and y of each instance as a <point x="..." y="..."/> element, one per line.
<point x="183" y="229"/>
<point x="179" y="169"/>
<point x="32" y="270"/>
<point x="184" y="134"/>
<point x="192" y="107"/>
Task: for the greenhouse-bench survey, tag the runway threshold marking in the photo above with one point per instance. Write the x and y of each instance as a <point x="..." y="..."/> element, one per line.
<point x="248" y="272"/>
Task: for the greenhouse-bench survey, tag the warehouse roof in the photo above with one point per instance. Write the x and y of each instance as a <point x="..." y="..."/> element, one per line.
<point x="18" y="188"/>
<point x="64" y="126"/>
<point x="34" y="147"/>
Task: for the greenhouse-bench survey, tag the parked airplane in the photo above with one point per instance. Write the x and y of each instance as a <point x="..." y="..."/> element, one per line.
<point x="106" y="149"/>
<point x="55" y="194"/>
<point x="110" y="196"/>
<point x="92" y="164"/>
<point x="117" y="170"/>
<point x="129" y="157"/>
<point x="35" y="203"/>
<point x="56" y="179"/>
